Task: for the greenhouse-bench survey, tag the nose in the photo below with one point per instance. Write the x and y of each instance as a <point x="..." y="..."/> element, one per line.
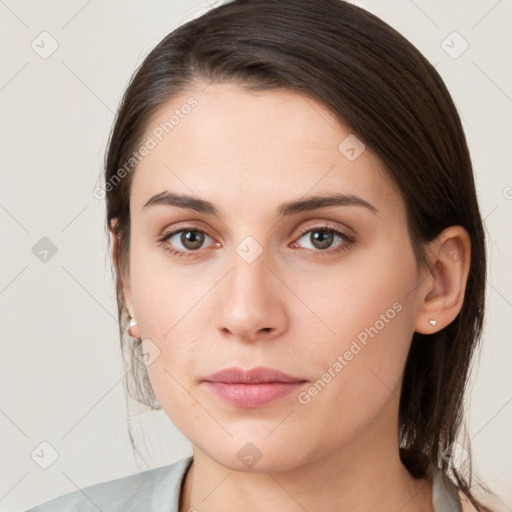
<point x="250" y="301"/>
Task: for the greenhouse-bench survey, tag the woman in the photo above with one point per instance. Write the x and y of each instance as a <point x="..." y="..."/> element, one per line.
<point x="300" y="264"/>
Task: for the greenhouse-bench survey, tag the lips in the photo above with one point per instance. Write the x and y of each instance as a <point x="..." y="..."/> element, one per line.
<point x="256" y="375"/>
<point x="252" y="388"/>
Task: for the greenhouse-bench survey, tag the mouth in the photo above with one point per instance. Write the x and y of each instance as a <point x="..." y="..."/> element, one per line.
<point x="252" y="388"/>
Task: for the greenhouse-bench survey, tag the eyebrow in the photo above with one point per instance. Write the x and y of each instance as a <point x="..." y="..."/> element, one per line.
<point x="284" y="210"/>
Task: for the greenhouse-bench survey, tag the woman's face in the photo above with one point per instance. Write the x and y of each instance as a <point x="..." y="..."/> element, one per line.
<point x="269" y="285"/>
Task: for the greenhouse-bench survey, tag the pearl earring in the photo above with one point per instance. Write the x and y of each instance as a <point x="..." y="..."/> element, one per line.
<point x="432" y="322"/>
<point x="132" y="323"/>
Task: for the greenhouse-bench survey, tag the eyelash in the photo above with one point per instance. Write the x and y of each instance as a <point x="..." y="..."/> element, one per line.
<point x="348" y="241"/>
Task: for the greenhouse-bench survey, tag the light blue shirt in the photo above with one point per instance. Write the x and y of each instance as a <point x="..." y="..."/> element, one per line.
<point x="158" y="490"/>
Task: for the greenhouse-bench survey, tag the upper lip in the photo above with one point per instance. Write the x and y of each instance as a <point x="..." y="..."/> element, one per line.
<point x="256" y="375"/>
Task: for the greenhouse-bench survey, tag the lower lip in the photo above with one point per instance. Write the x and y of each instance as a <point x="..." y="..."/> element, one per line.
<point x="252" y="395"/>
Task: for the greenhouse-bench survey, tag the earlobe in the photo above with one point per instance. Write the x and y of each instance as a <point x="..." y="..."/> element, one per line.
<point x="127" y="297"/>
<point x="133" y="328"/>
<point x="442" y="293"/>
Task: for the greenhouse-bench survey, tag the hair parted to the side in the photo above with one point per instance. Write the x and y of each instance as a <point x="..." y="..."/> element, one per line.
<point x="380" y="86"/>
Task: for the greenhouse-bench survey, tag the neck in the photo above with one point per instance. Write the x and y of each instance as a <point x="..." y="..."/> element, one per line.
<point x="364" y="474"/>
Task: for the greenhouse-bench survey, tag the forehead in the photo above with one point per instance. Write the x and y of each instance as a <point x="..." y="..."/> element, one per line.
<point x="243" y="150"/>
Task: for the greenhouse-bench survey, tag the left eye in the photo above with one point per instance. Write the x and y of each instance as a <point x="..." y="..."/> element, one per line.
<point x="323" y="238"/>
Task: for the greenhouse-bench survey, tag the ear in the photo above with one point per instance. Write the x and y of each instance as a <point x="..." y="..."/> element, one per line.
<point x="123" y="275"/>
<point x="442" y="292"/>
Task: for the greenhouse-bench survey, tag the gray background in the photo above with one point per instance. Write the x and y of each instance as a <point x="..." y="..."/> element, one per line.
<point x="61" y="371"/>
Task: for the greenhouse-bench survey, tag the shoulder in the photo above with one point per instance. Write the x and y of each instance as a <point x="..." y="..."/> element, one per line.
<point x="152" y="490"/>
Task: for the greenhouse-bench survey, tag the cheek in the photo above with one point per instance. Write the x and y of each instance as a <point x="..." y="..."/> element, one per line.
<point x="161" y="295"/>
<point x="171" y="318"/>
<point x="173" y="372"/>
<point x="168" y="377"/>
<point x="362" y="328"/>
<point x="358" y="369"/>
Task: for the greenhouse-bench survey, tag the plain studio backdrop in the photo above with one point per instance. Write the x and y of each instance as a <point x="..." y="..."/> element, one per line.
<point x="64" y="68"/>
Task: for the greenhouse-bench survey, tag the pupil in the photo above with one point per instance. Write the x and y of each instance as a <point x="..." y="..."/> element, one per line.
<point x="321" y="238"/>
<point x="192" y="239"/>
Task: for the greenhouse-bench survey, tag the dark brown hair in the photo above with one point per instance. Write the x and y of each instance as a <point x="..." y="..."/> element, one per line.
<point x="380" y="86"/>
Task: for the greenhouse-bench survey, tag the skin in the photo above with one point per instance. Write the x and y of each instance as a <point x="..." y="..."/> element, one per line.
<point x="248" y="152"/>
